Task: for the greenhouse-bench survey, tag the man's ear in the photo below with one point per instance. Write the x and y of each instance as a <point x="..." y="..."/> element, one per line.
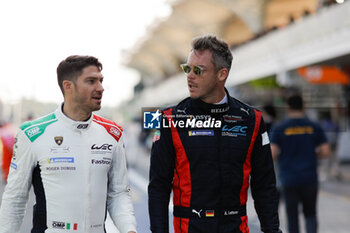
<point x="67" y="86"/>
<point x="222" y="74"/>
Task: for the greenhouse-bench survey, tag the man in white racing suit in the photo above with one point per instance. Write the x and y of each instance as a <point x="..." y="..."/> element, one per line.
<point x="75" y="161"/>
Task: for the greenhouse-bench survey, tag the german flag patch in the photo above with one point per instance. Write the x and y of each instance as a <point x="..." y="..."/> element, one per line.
<point x="209" y="213"/>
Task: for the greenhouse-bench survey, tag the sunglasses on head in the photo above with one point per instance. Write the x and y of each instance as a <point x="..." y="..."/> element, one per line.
<point x="197" y="70"/>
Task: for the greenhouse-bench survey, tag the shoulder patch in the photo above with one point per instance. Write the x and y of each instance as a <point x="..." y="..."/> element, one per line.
<point x="33" y="129"/>
<point x="156" y="136"/>
<point x="112" y="128"/>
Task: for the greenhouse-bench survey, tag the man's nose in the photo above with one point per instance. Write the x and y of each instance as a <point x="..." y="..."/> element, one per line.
<point x="191" y="75"/>
<point x="100" y="87"/>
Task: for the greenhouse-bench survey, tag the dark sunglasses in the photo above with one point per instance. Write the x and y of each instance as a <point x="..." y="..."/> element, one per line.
<point x="196" y="69"/>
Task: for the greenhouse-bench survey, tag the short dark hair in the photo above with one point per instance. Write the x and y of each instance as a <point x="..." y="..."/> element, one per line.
<point x="295" y="102"/>
<point x="221" y="53"/>
<point x="270" y="110"/>
<point x="71" y="67"/>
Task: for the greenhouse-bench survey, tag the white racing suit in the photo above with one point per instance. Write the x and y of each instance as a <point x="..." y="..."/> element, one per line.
<point x="78" y="171"/>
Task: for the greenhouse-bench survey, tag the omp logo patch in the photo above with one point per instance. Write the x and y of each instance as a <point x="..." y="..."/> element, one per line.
<point x="58" y="225"/>
<point x="33" y="131"/>
<point x="114" y="131"/>
<point x="65" y="226"/>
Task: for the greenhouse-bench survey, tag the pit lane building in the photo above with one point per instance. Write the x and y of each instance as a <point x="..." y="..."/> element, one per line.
<point x="283" y="42"/>
<point x="276" y="45"/>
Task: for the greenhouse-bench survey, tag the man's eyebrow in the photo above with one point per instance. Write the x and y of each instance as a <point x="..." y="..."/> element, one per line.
<point x="94" y="77"/>
<point x="196" y="65"/>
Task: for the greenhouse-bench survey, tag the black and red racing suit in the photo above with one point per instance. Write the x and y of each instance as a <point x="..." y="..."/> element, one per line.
<point x="209" y="166"/>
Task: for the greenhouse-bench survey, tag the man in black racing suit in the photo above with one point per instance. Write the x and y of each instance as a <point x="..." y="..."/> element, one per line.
<point x="208" y="150"/>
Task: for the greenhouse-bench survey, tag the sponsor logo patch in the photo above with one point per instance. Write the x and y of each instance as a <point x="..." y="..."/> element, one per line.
<point x="100" y="161"/>
<point x="219" y="110"/>
<point x="156" y="136"/>
<point x="13" y="165"/>
<point x="82" y="126"/>
<point x="58" y="225"/>
<point x="64" y="225"/>
<point x="61" y="160"/>
<point x="58" y="140"/>
<point x="183" y="111"/>
<point x="197" y="212"/>
<point x="234" y="131"/>
<point x="245" y="110"/>
<point x="102" y="147"/>
<point x="265" y="139"/>
<point x="201" y="133"/>
<point x="15" y="146"/>
<point x="59" y="149"/>
<point x="114" y="131"/>
<point x="33" y="131"/>
<point x="232" y="118"/>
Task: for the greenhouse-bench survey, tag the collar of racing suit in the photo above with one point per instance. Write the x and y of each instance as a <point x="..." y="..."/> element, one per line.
<point x="76" y="125"/>
<point x="211" y="109"/>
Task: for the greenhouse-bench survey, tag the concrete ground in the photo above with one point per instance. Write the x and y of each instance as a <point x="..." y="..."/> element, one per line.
<point x="333" y="202"/>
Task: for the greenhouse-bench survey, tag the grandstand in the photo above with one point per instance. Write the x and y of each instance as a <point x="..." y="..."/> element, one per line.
<point x="276" y="44"/>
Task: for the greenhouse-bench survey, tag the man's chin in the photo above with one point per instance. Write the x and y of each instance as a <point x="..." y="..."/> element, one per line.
<point x="193" y="95"/>
<point x="96" y="107"/>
